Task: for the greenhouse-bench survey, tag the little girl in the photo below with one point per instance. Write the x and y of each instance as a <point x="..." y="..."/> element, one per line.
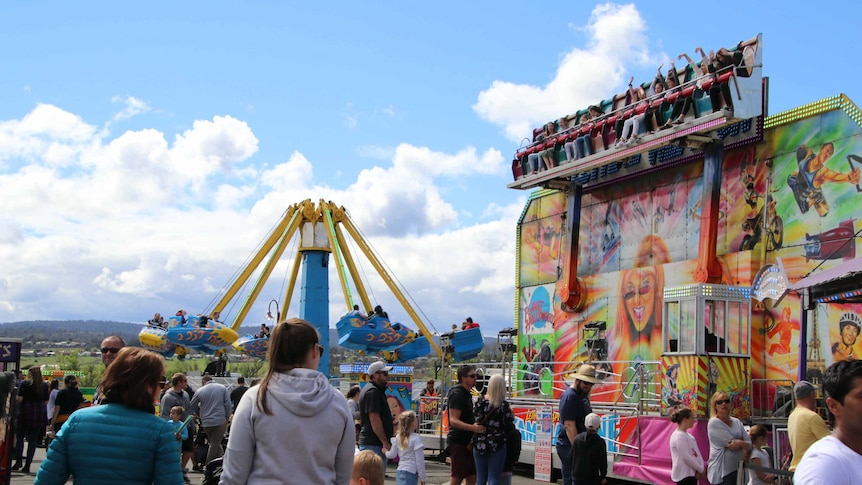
<point x="408" y="446"/>
<point x="686" y="460"/>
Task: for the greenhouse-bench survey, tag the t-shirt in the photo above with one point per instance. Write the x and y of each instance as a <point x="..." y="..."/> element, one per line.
<point x="68" y="400"/>
<point x="804" y="428"/>
<point x="372" y="399"/>
<point x="829" y="462"/>
<point x="686" y="459"/>
<point x="236" y="395"/>
<point x="573" y="407"/>
<point x="723" y="461"/>
<point x="459" y="398"/>
<point x="761" y="455"/>
<point x="412" y="459"/>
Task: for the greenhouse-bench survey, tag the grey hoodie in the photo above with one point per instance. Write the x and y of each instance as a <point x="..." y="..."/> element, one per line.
<point x="309" y="438"/>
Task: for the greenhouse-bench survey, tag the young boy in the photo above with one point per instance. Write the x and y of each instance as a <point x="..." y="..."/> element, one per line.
<point x="176" y="418"/>
<point x="589" y="455"/>
<point x="367" y="469"/>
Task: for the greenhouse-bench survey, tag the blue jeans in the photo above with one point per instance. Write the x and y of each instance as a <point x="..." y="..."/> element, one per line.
<point x="489" y="467"/>
<point x="378" y="450"/>
<point x="583" y="146"/>
<point x="403" y="477"/>
<point x="563" y="451"/>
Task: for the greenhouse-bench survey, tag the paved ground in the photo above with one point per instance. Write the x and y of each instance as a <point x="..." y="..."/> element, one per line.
<point x="437" y="473"/>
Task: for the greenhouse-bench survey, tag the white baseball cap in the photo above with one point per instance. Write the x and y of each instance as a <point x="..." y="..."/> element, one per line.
<point x="593" y="421"/>
<point x="378" y="366"/>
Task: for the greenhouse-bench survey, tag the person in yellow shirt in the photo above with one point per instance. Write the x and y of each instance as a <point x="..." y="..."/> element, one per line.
<point x="804" y="426"/>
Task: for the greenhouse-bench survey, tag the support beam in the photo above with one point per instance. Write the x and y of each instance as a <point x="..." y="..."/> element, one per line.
<point x="314" y="298"/>
<point x="708" y="270"/>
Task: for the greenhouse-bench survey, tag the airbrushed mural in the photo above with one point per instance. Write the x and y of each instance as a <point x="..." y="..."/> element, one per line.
<point x="794" y="195"/>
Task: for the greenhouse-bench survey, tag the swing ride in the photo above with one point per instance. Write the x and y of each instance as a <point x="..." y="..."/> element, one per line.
<point x="321" y="230"/>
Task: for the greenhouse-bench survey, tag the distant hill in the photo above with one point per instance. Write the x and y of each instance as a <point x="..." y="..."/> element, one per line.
<point x="91" y="332"/>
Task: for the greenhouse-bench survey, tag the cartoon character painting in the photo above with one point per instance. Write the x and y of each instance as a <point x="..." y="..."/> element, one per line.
<point x="849" y="326"/>
<point x="807" y="181"/>
<point x="639" y="312"/>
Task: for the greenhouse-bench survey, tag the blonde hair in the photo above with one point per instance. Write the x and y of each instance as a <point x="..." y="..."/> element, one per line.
<point x="496" y="391"/>
<point x="716" y="397"/>
<point x="406" y="420"/>
<point x="369" y="466"/>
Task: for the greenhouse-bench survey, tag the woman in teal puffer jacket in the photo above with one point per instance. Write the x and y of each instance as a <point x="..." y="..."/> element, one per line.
<point x="122" y="440"/>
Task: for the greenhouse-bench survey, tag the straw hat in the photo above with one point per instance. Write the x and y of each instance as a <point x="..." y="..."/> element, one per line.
<point x="586" y="373"/>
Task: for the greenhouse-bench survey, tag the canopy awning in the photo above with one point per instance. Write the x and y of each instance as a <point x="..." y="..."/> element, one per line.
<point x="839" y="284"/>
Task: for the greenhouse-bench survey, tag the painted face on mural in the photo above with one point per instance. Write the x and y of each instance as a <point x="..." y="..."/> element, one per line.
<point x="639" y="295"/>
<point x="849" y="334"/>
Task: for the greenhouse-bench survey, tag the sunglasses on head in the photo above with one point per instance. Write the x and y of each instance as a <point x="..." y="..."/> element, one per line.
<point x="722" y="401"/>
<point x="112" y="350"/>
<point x="643" y="290"/>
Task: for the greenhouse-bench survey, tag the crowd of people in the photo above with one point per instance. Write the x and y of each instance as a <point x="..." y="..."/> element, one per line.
<point x="644" y="108"/>
<point x="354" y="437"/>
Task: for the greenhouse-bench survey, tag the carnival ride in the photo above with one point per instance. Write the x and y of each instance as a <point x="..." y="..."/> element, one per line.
<point x="321" y="229"/>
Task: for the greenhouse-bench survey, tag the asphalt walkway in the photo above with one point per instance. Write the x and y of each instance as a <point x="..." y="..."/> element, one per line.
<point x="437" y="473"/>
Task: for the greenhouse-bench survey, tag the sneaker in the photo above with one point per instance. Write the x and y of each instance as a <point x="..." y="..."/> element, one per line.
<point x="618" y="143"/>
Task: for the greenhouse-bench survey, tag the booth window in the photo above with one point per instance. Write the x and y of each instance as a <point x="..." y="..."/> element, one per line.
<point x="680" y="326"/>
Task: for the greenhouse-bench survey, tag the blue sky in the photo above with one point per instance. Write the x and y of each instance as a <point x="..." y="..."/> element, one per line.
<point x="145" y="150"/>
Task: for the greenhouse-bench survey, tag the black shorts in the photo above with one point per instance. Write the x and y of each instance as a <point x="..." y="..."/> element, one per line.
<point x="188" y="444"/>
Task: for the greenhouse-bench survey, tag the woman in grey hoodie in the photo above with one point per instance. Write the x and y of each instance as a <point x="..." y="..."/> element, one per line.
<point x="293" y="427"/>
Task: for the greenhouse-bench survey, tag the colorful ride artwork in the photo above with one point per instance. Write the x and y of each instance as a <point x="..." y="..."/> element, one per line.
<point x="182" y="334"/>
<point x="643" y="261"/>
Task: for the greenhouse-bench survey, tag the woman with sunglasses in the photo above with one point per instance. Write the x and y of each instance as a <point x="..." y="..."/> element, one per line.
<point x="639" y="311"/>
<point x="293" y="427"/>
<point x="728" y="442"/>
<point x="122" y="440"/>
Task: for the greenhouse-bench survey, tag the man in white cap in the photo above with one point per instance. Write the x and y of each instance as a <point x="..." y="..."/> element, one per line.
<point x="589" y="453"/>
<point x="574" y="408"/>
<point x="374" y="413"/>
<point x="804" y="426"/>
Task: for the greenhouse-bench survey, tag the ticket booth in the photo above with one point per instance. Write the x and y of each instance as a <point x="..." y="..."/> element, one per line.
<point x="706" y="347"/>
<point x="10" y="359"/>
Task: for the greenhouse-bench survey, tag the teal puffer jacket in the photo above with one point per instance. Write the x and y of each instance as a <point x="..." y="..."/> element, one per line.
<point x="112" y="444"/>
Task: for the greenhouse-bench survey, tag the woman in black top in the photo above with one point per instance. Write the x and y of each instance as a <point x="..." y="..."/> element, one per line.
<point x="32" y="416"/>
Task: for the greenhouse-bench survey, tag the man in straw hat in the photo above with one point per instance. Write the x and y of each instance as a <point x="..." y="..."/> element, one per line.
<point x="574" y="408"/>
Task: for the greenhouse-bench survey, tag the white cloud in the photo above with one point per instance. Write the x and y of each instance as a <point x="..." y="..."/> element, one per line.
<point x="350" y="121"/>
<point x="584" y="76"/>
<point x="119" y="226"/>
<point x="134" y="107"/>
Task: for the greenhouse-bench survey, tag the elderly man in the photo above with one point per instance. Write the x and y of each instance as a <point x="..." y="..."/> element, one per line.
<point x="212" y="403"/>
<point x="837" y="459"/>
<point x="574" y="408"/>
<point x="374" y="413"/>
<point x="804" y="426"/>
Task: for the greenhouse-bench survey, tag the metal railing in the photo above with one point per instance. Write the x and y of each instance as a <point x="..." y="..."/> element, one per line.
<point x="634" y="389"/>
